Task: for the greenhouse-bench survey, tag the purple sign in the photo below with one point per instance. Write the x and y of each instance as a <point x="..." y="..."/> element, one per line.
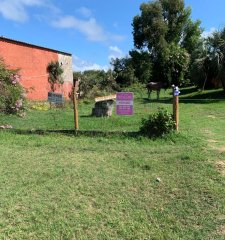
<point x="124" y="103"/>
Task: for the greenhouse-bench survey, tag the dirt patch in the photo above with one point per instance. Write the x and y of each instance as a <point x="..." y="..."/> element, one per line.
<point x="221" y="167"/>
<point x="222" y="230"/>
<point x="221" y="217"/>
<point x="222" y="149"/>
<point x="213" y="144"/>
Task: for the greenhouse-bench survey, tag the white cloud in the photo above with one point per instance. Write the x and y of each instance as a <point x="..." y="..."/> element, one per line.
<point x="80" y="65"/>
<point x="209" y="33"/>
<point x="115" y="49"/>
<point x="115" y="52"/>
<point x="85" y="12"/>
<point x="90" y="28"/>
<point x="16" y="9"/>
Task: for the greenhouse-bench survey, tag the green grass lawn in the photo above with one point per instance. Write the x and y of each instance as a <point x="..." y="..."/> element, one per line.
<point x="60" y="186"/>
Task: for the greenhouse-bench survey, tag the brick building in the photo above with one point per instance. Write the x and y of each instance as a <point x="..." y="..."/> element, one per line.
<point x="32" y="61"/>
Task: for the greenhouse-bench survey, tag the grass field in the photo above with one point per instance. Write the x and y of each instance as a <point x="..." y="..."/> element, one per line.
<point x="118" y="185"/>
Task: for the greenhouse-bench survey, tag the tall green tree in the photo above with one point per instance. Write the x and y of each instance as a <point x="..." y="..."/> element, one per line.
<point x="216" y="49"/>
<point x="210" y="63"/>
<point x="162" y="26"/>
<point x="142" y="65"/>
<point x="123" y="71"/>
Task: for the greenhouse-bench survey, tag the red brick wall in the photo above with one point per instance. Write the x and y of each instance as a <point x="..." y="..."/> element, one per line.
<point x="32" y="63"/>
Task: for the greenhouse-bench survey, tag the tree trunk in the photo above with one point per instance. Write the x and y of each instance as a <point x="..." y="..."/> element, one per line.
<point x="206" y="77"/>
<point x="223" y="84"/>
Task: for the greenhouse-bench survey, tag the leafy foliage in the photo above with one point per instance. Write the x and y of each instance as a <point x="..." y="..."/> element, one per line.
<point x="142" y="65"/>
<point x="209" y="67"/>
<point x="175" y="62"/>
<point x="123" y="71"/>
<point x="158" y="124"/>
<point x="133" y="69"/>
<point x="55" y="71"/>
<point x="11" y="92"/>
<point x="164" y="29"/>
<point x="162" y="22"/>
<point x="96" y="83"/>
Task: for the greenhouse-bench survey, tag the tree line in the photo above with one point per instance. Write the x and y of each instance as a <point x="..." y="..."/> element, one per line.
<point x="168" y="47"/>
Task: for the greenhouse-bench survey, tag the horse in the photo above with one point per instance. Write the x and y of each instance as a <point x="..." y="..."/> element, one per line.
<point x="155" y="86"/>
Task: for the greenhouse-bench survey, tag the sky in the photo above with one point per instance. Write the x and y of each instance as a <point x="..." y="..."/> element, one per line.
<point x="93" y="31"/>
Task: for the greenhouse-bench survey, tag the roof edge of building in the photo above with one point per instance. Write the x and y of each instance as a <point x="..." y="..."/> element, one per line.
<point x="32" y="45"/>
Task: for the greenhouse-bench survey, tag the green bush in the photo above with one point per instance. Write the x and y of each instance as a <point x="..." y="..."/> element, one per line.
<point x="158" y="124"/>
<point x="96" y="83"/>
<point x="11" y="92"/>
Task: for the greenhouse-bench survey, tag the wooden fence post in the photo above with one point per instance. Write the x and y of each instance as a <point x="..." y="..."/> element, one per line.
<point x="176" y="107"/>
<point x="75" y="104"/>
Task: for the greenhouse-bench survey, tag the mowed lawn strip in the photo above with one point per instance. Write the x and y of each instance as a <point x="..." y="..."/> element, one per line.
<point x="56" y="187"/>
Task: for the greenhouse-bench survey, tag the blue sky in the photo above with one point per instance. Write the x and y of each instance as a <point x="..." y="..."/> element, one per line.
<point x="94" y="31"/>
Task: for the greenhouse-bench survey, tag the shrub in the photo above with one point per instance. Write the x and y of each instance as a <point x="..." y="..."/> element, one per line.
<point x="96" y="83"/>
<point x="41" y="106"/>
<point x="11" y="92"/>
<point x="158" y="124"/>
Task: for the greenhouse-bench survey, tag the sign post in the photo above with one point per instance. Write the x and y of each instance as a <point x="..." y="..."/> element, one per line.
<point x="176" y="93"/>
<point x="124" y="103"/>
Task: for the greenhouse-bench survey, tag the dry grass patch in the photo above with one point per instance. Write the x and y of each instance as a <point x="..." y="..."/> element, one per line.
<point x="208" y="132"/>
<point x="211" y="116"/>
<point x="221" y="167"/>
<point x="222" y="230"/>
<point x="212" y="144"/>
<point x="222" y="149"/>
<point x="212" y="141"/>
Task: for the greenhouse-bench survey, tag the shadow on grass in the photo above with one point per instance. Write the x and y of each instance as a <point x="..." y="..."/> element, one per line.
<point x="203" y="97"/>
<point x="77" y="133"/>
<point x="86" y="116"/>
<point x="188" y="90"/>
<point x="163" y="100"/>
<point x="191" y="95"/>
